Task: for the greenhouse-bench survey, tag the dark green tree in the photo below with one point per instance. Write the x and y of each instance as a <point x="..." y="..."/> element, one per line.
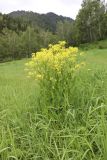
<point x="90" y="21"/>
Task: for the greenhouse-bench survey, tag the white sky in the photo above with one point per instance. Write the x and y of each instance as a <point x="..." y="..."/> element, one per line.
<point x="67" y="8"/>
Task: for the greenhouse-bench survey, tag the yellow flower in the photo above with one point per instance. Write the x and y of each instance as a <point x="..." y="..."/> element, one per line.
<point x="33" y="55"/>
<point x="56" y="60"/>
<point x="30" y="73"/>
<point x="39" y="76"/>
<point x="51" y="78"/>
<point x="77" y="66"/>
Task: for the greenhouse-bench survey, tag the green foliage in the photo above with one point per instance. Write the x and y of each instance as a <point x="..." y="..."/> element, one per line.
<point x="16" y="46"/>
<point x="47" y="21"/>
<point x="95" y="45"/>
<point x="78" y="131"/>
<point x="64" y="31"/>
<point x="91" y="21"/>
<point x="22" y="33"/>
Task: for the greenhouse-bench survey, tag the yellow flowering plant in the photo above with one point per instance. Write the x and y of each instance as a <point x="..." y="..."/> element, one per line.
<point x="54" y="69"/>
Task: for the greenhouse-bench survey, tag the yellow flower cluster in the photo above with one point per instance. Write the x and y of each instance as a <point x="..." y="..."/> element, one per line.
<point x="54" y="60"/>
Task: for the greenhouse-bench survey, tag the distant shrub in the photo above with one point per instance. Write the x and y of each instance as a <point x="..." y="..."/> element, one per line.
<point x="100" y="47"/>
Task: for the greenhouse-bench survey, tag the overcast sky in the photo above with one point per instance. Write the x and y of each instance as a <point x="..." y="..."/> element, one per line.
<point x="61" y="7"/>
<point x="67" y="8"/>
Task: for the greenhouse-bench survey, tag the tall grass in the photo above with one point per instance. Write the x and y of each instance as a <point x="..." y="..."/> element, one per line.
<point x="76" y="131"/>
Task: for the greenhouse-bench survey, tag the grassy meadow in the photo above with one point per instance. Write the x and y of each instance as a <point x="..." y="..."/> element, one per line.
<point x="79" y="132"/>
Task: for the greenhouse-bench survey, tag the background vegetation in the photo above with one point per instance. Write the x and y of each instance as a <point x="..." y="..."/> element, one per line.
<point x="22" y="33"/>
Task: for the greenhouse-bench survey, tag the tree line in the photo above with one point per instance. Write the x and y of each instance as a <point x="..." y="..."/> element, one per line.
<point x="91" y="21"/>
<point x="22" y="33"/>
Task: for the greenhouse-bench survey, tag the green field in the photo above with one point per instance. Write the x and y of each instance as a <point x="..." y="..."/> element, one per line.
<point x="80" y="133"/>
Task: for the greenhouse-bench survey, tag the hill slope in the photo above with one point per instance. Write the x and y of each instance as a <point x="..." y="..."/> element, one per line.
<point x="47" y="21"/>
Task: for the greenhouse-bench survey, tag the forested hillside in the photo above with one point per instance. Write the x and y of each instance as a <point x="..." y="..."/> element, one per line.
<point x="23" y="32"/>
<point x="47" y="21"/>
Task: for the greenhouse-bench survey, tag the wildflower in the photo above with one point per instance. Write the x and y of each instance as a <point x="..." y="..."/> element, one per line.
<point x="54" y="61"/>
<point x="77" y="66"/>
<point x="50" y="45"/>
<point x="30" y="73"/>
<point x="51" y="78"/>
<point x="39" y="76"/>
<point x="33" y="55"/>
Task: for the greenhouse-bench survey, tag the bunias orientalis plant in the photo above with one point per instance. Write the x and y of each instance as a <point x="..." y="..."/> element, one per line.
<point x="55" y="69"/>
